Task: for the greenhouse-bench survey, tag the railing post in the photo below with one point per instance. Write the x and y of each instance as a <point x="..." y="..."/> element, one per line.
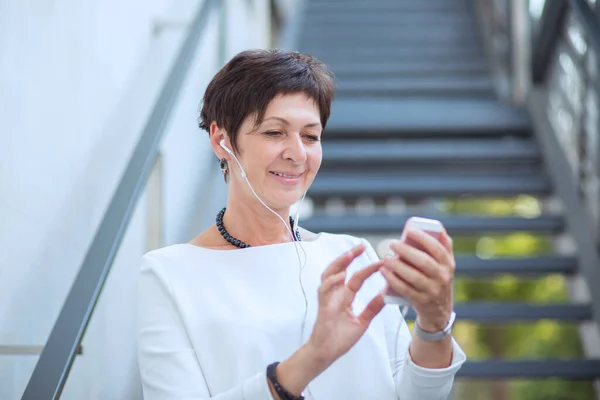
<point x="520" y="43"/>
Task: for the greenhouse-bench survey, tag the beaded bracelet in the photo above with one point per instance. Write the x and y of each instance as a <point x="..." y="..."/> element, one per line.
<point x="281" y="392"/>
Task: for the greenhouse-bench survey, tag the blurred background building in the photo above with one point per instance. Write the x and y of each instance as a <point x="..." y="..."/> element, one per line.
<point x="483" y="114"/>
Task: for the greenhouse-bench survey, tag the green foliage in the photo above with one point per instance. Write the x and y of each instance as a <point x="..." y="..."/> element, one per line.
<point x="552" y="389"/>
<point x="543" y="339"/>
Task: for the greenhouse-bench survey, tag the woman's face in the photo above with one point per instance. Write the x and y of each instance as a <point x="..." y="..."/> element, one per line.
<point x="283" y="154"/>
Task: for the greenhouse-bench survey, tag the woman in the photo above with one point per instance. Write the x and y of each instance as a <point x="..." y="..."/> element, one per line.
<point x="253" y="308"/>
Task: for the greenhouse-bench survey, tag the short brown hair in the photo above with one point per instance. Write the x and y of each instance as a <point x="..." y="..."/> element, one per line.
<point x="250" y="80"/>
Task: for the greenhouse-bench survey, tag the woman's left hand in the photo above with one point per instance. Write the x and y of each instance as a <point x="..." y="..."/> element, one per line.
<point x="424" y="277"/>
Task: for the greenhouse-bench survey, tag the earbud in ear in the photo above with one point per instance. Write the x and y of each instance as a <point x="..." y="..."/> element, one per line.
<point x="222" y="143"/>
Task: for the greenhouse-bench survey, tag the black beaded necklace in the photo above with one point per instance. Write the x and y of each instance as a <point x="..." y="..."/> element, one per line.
<point x="237" y="242"/>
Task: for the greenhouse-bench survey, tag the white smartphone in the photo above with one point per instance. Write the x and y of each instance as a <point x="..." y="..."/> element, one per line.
<point x="430" y="226"/>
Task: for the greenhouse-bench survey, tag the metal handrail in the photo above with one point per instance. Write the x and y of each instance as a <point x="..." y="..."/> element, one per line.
<point x="550" y="25"/>
<point x="562" y="172"/>
<point x="589" y="22"/>
<point x="589" y="26"/>
<point x="52" y="369"/>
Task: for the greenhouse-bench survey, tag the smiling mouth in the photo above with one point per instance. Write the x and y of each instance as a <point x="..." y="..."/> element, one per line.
<point x="288" y="176"/>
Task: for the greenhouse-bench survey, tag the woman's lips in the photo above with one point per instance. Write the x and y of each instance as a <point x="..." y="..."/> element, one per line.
<point x="287" y="178"/>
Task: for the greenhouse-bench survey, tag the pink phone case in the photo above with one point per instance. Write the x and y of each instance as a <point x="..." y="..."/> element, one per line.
<point x="391" y="296"/>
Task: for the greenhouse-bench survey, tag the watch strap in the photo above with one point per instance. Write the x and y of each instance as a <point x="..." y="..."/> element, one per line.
<point x="436" y="336"/>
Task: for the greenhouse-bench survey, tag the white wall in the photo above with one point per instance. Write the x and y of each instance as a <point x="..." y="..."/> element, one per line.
<point x="287" y="7"/>
<point x="76" y="79"/>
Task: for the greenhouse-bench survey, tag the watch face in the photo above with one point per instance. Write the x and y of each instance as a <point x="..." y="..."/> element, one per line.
<point x="450" y="323"/>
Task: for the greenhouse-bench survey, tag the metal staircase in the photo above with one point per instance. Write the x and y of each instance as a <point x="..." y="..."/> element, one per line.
<point x="417" y="119"/>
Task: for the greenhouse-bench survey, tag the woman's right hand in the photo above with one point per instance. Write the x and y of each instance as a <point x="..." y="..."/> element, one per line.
<point x="337" y="329"/>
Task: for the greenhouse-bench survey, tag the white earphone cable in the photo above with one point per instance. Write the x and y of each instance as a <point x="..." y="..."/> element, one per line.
<point x="294" y="241"/>
<point x="403" y="311"/>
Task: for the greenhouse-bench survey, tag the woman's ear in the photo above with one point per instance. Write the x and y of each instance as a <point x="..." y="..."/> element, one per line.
<point x="216" y="135"/>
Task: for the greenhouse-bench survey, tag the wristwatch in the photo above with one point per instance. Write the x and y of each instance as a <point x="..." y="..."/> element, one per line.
<point x="436" y="336"/>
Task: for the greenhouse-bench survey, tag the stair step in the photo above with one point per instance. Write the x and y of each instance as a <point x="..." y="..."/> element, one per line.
<point x="350" y="53"/>
<point x="414" y="117"/>
<point x="477" y="267"/>
<point x="343" y="4"/>
<point x="455" y="3"/>
<point x="367" y="20"/>
<point x="502" y="313"/>
<point x="390" y="35"/>
<point x="417" y="68"/>
<point x="314" y="9"/>
<point x="576" y="369"/>
<point x="438" y="152"/>
<point x="387" y="19"/>
<point x="428" y="44"/>
<point x="354" y="185"/>
<point x="403" y="86"/>
<point x="383" y="224"/>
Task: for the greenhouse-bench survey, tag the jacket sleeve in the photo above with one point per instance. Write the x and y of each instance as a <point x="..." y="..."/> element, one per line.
<point x="167" y="361"/>
<point x="413" y="381"/>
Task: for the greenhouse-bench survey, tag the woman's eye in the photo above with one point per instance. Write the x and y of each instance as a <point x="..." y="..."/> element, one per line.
<point x="313" y="138"/>
<point x="272" y="133"/>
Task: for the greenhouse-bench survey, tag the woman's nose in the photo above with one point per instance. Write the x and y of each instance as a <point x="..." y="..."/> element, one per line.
<point x="296" y="150"/>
